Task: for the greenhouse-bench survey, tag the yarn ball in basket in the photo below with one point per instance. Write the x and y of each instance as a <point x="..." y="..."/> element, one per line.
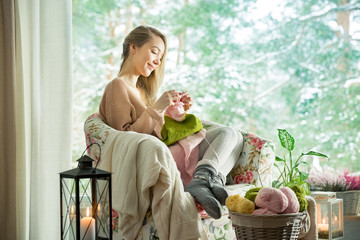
<point x="301" y="196"/>
<point x="272" y="199"/>
<point x="293" y="206"/>
<point x="237" y="203"/>
<point x="252" y="193"/>
<point x="263" y="211"/>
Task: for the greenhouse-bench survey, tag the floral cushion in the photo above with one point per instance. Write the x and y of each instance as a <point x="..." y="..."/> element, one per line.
<point x="256" y="160"/>
<point x="253" y="168"/>
<point x="255" y="163"/>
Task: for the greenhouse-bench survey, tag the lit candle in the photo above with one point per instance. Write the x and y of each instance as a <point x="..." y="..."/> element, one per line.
<point x="72" y="212"/>
<point x="335" y="220"/>
<point x="99" y="211"/>
<point x="323" y="226"/>
<point x="335" y="223"/>
<point x="87" y="223"/>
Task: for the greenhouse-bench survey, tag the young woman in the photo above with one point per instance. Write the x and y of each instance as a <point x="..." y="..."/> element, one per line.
<point x="129" y="103"/>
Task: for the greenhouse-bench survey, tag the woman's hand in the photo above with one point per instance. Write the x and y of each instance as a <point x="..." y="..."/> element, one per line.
<point x="186" y="99"/>
<point x="167" y="99"/>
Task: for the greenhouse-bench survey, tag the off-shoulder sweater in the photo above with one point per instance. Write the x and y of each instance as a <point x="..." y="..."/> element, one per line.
<point x="121" y="108"/>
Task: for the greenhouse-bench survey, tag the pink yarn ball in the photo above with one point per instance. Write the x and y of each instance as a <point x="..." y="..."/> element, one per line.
<point x="176" y="111"/>
<point x="263" y="211"/>
<point x="293" y="206"/>
<point x="272" y="199"/>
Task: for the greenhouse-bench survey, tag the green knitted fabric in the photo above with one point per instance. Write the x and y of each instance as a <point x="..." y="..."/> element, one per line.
<point x="252" y="193"/>
<point x="301" y="195"/>
<point x="172" y="131"/>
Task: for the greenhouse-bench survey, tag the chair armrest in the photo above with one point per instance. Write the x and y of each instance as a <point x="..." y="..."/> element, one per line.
<point x="97" y="131"/>
<point x="309" y="229"/>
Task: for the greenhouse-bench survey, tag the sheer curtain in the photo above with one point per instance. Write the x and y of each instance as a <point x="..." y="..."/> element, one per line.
<point x="35" y="122"/>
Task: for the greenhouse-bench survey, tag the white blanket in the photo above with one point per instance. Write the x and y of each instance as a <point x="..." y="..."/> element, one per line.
<point x="145" y="176"/>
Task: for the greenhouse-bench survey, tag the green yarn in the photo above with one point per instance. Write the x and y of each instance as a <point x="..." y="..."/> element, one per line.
<point x="252" y="193"/>
<point x="301" y="196"/>
<point x="172" y="130"/>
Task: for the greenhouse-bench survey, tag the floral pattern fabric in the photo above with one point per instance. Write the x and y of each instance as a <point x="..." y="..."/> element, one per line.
<point x="252" y="169"/>
<point x="254" y="165"/>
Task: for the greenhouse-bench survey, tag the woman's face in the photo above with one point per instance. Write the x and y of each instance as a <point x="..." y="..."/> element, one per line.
<point x="147" y="57"/>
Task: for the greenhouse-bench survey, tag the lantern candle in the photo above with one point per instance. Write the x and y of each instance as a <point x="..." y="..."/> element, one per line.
<point x="329" y="215"/>
<point x="87" y="227"/>
<point x="82" y="189"/>
<point x="323" y="226"/>
<point x="99" y="211"/>
<point x="72" y="212"/>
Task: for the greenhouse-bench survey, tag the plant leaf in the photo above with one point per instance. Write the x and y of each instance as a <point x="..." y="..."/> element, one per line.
<point x="276" y="183"/>
<point x="286" y="140"/>
<point x="303" y="175"/>
<point x="313" y="153"/>
<point x="303" y="162"/>
<point x="306" y="186"/>
<point x="279" y="159"/>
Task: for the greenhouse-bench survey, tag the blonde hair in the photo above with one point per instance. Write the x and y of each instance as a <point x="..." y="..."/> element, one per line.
<point x="151" y="84"/>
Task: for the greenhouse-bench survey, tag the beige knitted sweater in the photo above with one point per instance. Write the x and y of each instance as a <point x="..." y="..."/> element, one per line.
<point x="122" y="108"/>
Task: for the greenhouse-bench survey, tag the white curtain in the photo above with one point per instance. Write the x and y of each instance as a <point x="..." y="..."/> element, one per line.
<point x="36" y="66"/>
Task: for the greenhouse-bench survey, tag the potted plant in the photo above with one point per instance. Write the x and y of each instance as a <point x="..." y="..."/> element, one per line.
<point x="328" y="180"/>
<point x="290" y="174"/>
<point x="345" y="185"/>
<point x="282" y="225"/>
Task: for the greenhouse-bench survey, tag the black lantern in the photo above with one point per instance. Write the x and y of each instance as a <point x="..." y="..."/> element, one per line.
<point x="85" y="202"/>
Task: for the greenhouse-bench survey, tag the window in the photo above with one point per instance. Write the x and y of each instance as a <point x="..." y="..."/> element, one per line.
<point x="253" y="65"/>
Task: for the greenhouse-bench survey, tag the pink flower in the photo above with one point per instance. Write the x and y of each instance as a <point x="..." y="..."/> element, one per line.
<point x="353" y="182"/>
<point x="176" y="111"/>
<point x="249" y="176"/>
<point x="240" y="179"/>
<point x="257" y="143"/>
<point x="114" y="219"/>
<point x="200" y="209"/>
<point x="114" y="214"/>
<point x="250" y="136"/>
<point x="95" y="115"/>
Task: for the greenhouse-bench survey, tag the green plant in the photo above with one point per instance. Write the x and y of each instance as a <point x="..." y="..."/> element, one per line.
<point x="291" y="174"/>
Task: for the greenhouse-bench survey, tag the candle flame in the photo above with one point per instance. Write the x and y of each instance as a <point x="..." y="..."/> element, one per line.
<point x="99" y="208"/>
<point x="323" y="221"/>
<point x="87" y="212"/>
<point x="72" y="209"/>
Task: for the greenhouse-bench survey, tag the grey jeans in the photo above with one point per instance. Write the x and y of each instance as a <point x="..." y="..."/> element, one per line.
<point x="221" y="148"/>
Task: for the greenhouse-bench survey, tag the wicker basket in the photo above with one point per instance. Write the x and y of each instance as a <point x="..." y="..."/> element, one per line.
<point x="351" y="202"/>
<point x="282" y="226"/>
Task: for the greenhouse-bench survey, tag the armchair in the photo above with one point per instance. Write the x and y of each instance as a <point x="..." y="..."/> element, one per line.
<point x="252" y="169"/>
